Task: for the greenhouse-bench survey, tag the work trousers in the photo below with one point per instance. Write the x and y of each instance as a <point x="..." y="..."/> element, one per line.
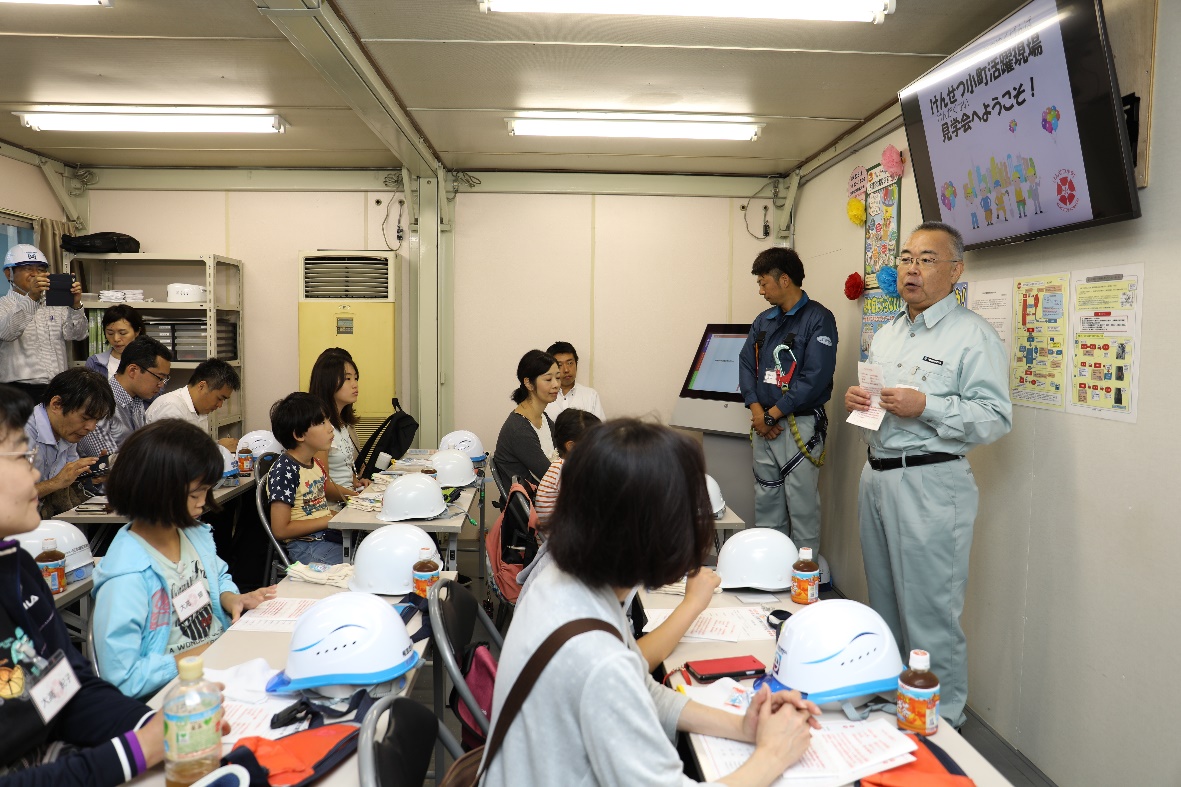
<point x="916" y="535"/>
<point x="793" y="508"/>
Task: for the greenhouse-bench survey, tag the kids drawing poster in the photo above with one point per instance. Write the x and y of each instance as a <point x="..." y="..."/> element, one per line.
<point x="1105" y="342"/>
<point x="1037" y="361"/>
<point x="881" y="223"/>
<point x="1002" y="133"/>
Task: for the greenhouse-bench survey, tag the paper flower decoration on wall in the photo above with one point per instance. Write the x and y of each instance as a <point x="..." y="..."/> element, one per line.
<point x="856" y="210"/>
<point x="892" y="161"/>
<point x="854" y="286"/>
<point x="888" y="280"/>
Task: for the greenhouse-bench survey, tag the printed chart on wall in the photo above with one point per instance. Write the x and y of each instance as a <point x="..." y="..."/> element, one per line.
<point x="1004" y="141"/>
<point x="1037" y="361"/>
<point x="1105" y="341"/>
<point x="881" y="223"/>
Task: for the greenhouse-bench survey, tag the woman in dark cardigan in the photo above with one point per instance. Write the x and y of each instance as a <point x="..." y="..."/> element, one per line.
<point x="525" y="446"/>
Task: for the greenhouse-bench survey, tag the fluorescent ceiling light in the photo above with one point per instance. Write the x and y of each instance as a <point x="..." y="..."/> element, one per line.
<point x="647" y="126"/>
<point x="185" y="121"/>
<point x="106" y="3"/>
<point x="813" y="10"/>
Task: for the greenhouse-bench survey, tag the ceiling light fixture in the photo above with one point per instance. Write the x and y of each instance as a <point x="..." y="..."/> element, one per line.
<point x="643" y="126"/>
<point x="811" y="10"/>
<point x="177" y="121"/>
<point x="106" y="3"/>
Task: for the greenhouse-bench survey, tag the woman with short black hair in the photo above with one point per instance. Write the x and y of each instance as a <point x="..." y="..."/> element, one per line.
<point x="525" y="446"/>
<point x="633" y="510"/>
<point x="121" y="325"/>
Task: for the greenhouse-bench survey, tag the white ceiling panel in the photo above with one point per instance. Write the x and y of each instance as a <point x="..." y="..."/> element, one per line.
<point x="139" y="18"/>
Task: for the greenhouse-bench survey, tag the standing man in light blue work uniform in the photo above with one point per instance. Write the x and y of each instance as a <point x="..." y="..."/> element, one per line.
<point x="946" y="389"/>
<point x="785" y="376"/>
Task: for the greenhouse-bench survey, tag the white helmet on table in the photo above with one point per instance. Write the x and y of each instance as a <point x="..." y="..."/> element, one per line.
<point x="833" y="651"/>
<point x="385" y="560"/>
<point x="344" y="642"/>
<point x="825" y="572"/>
<point x="260" y="442"/>
<point x="70" y="541"/>
<point x="758" y="557"/>
<point x="412" y="496"/>
<point x="465" y="441"/>
<point x="453" y="467"/>
<point x="717" y="503"/>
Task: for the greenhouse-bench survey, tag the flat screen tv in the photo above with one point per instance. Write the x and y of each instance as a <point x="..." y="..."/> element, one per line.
<point x="714" y="373"/>
<point x="1021" y="133"/>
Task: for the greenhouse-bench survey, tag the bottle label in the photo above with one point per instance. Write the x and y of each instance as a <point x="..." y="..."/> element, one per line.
<point x="192" y="736"/>
<point x="246" y="463"/>
<point x="424" y="580"/>
<point x="805" y="587"/>
<point x="55" y="575"/>
<point x="918" y="709"/>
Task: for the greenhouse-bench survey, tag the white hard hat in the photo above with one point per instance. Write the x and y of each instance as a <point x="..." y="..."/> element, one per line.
<point x="759" y="557"/>
<point x="345" y="641"/>
<point x="385" y="560"/>
<point x="260" y="442"/>
<point x="463" y="440"/>
<point x="70" y="540"/>
<point x="833" y="651"/>
<point x="412" y="496"/>
<point x="229" y="461"/>
<point x="825" y="572"/>
<point x="717" y="503"/>
<point x="453" y="467"/>
<point x="24" y="254"/>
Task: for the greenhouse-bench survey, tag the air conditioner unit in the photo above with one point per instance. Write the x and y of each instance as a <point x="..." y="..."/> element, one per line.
<point x="349" y="299"/>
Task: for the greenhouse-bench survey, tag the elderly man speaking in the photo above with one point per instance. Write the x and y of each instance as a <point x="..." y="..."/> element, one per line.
<point x="945" y="390"/>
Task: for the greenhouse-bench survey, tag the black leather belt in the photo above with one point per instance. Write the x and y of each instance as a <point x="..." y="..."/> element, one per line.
<point x="917" y="460"/>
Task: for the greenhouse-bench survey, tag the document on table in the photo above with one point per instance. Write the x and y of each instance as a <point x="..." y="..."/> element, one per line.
<point x="278" y="614"/>
<point x="841" y="752"/>
<point x="725" y="624"/>
<point x="247" y="706"/>
<point x="870" y="379"/>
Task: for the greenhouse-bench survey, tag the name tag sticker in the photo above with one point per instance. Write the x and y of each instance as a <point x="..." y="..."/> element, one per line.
<point x="771" y="377"/>
<point x="54" y="688"/>
<point x="190" y="601"/>
<point x="935" y="361"/>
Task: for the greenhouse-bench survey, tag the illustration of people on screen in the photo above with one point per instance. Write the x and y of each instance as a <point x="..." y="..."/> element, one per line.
<point x="986" y="206"/>
<point x="1019" y="195"/>
<point x="970" y="198"/>
<point x="999" y="195"/>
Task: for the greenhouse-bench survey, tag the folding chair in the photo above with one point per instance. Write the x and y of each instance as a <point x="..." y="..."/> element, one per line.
<point x="90" y="642"/>
<point x="277" y="560"/>
<point x="403" y="755"/>
<point x="454" y="612"/>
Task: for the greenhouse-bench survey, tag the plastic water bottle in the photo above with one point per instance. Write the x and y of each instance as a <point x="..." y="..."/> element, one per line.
<point x="192" y="725"/>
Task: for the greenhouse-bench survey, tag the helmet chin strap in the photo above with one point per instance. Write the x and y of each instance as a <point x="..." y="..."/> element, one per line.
<point x="852" y="714"/>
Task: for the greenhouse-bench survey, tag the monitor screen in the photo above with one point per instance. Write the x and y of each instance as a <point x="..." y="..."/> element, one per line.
<point x="714" y="373"/>
<point x="1021" y="133"/>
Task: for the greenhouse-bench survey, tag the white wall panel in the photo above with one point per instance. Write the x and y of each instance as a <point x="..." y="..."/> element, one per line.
<point x="164" y="221"/>
<point x="23" y="188"/>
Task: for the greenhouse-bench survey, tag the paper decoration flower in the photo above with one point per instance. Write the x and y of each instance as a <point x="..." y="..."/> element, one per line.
<point x="892" y="161"/>
<point x="888" y="280"/>
<point x="856" y="210"/>
<point x="854" y="286"/>
<point x="1050" y="118"/>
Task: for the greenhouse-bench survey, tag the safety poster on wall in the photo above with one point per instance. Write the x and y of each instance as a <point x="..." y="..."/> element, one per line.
<point x="1105" y="341"/>
<point x="1041" y="328"/>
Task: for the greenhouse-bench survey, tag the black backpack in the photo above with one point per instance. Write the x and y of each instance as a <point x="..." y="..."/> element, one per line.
<point x="100" y="243"/>
<point x="393" y="437"/>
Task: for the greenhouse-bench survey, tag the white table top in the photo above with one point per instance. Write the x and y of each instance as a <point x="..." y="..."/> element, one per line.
<point x="221" y="495"/>
<point x="973" y="763"/>
<point x="235" y="647"/>
<point x="72" y="592"/>
<point x="730" y="521"/>
<point x="355" y="519"/>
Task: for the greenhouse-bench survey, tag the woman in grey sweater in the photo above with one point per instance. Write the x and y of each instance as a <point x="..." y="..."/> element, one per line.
<point x="525" y="446"/>
<point x="633" y="511"/>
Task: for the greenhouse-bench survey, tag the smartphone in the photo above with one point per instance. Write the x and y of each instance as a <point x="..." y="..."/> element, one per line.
<point x="98" y="469"/>
<point x="737" y="667"/>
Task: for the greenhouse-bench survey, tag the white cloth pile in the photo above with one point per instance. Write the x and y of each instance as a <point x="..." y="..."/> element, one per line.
<point x="337" y="575"/>
<point x="121" y="296"/>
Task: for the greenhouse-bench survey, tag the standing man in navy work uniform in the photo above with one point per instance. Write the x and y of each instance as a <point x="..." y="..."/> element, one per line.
<point x="785" y="375"/>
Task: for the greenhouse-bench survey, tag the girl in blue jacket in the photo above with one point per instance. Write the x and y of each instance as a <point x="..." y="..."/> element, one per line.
<point x="161" y="592"/>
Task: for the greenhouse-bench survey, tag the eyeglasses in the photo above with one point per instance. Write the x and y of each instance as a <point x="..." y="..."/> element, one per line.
<point x="30" y="455"/>
<point x="905" y="261"/>
<point x="163" y="380"/>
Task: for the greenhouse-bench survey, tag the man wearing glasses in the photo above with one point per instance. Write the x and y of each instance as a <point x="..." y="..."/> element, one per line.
<point x="946" y="389"/>
<point x="33" y="335"/>
<point x="143" y="373"/>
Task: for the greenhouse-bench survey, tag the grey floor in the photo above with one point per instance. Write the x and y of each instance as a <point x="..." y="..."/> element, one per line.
<point x="1010" y="762"/>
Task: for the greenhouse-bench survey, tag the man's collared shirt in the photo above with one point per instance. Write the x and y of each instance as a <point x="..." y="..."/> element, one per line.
<point x="580" y="397"/>
<point x="33" y="338"/>
<point x="954" y="357"/>
<point x="114" y="429"/>
<point x="53" y="453"/>
<point x="815" y="346"/>
<point x="177" y="404"/>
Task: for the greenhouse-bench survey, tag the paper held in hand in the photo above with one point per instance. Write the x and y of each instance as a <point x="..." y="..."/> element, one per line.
<point x="869" y="377"/>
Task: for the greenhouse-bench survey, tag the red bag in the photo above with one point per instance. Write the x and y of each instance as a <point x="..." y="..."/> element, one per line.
<point x="512" y="542"/>
<point x="479" y="673"/>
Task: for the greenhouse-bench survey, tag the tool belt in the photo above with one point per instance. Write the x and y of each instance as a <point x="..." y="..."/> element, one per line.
<point x="917" y="460"/>
<point x="805" y="450"/>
